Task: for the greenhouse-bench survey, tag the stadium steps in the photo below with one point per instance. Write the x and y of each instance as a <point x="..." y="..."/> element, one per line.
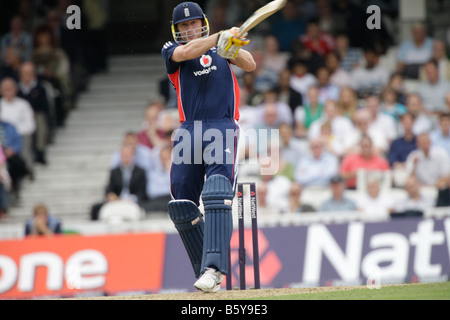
<point x="78" y="159"/>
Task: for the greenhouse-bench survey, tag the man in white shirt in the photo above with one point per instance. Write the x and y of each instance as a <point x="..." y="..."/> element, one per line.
<point x="430" y="164"/>
<point x="20" y="114"/>
<point x="434" y="89"/>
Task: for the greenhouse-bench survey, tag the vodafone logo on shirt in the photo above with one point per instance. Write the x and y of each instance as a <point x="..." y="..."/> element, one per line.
<point x="206" y="62"/>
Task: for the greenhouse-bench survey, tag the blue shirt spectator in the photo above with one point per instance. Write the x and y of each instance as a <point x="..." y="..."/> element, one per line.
<point x="441" y="136"/>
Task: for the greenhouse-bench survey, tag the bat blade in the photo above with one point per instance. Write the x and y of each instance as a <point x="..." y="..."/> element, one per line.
<point x="260" y="15"/>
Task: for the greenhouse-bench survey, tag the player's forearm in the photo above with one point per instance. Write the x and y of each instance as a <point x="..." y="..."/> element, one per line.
<point x="194" y="49"/>
<point x="245" y="61"/>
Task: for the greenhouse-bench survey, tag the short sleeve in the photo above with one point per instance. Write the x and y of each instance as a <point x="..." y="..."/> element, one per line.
<point x="167" y="51"/>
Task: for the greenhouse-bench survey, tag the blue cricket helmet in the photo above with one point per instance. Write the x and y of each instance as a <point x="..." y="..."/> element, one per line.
<point x="188" y="11"/>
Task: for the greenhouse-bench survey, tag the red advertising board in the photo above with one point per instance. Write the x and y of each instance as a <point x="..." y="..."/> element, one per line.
<point x="65" y="266"/>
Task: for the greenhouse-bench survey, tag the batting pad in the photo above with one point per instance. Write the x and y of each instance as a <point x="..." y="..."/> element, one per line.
<point x="217" y="197"/>
<point x="189" y="223"/>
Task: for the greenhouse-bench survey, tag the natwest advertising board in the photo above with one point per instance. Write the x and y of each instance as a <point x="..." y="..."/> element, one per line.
<point x="65" y="266"/>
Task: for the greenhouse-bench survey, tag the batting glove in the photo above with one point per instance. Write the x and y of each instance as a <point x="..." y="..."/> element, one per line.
<point x="229" y="44"/>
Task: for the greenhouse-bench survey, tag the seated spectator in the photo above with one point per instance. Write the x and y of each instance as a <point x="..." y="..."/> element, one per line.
<point x="328" y="20"/>
<point x="330" y="143"/>
<point x="363" y="127"/>
<point x="338" y="200"/>
<point x="338" y="76"/>
<point x="423" y="123"/>
<point x="415" y="203"/>
<point x="11" y="142"/>
<point x="42" y="223"/>
<point x="316" y="40"/>
<point x="441" y="136"/>
<point x="265" y="78"/>
<point x="20" y="114"/>
<point x="434" y="90"/>
<point x="341" y="126"/>
<point x="327" y="90"/>
<point x="379" y="119"/>
<point x="143" y="157"/>
<point x="350" y="57"/>
<point x="413" y="53"/>
<point x="150" y="136"/>
<point x="348" y="103"/>
<point x="291" y="148"/>
<point x="316" y="168"/>
<point x="401" y="147"/>
<point x="289" y="26"/>
<point x="311" y="111"/>
<point x="10" y="67"/>
<point x="370" y="78"/>
<point x="296" y="204"/>
<point x="375" y="203"/>
<point x="31" y="90"/>
<point x="284" y="113"/>
<point x="301" y="78"/>
<point x="441" y="57"/>
<point x="127" y="182"/>
<point x="286" y="93"/>
<point x="159" y="181"/>
<point x="366" y="159"/>
<point x="18" y="38"/>
<point x="390" y="105"/>
<point x="396" y="82"/>
<point x="429" y="164"/>
<point x="274" y="59"/>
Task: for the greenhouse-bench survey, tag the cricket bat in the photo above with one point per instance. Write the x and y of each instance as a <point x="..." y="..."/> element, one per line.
<point x="260" y="15"/>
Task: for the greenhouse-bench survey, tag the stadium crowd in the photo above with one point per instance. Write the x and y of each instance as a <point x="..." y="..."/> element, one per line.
<point x="323" y="81"/>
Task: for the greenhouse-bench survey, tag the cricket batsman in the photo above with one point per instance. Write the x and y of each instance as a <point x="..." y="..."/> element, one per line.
<point x="199" y="66"/>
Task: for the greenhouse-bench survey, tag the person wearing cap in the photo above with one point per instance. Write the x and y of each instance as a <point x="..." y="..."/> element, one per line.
<point x="199" y="66"/>
<point x="338" y="201"/>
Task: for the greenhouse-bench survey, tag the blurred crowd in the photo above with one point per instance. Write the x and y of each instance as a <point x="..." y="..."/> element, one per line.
<point x="44" y="67"/>
<point x="354" y="109"/>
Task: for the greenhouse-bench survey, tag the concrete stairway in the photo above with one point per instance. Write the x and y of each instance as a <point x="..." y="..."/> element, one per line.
<point x="78" y="160"/>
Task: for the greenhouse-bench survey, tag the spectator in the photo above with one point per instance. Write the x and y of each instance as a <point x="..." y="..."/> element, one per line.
<point x="296" y="204"/>
<point x="11" y="143"/>
<point x="291" y="148"/>
<point x="331" y="144"/>
<point x="434" y="90"/>
<point x="366" y="159"/>
<point x="363" y="126"/>
<point x="127" y="182"/>
<point x="327" y="90"/>
<point x="311" y="111"/>
<point x="396" y="82"/>
<point x="10" y="68"/>
<point x="274" y="59"/>
<point x="42" y="223"/>
<point x="341" y="126"/>
<point x="31" y="90"/>
<point x="443" y="198"/>
<point x="415" y="203"/>
<point x="401" y="147"/>
<point x="289" y="26"/>
<point x="301" y="79"/>
<point x="350" y="58"/>
<point x="430" y="164"/>
<point x="316" y="168"/>
<point x="441" y="57"/>
<point x="380" y="120"/>
<point x="20" y="114"/>
<point x="375" y="203"/>
<point x="143" y="157"/>
<point x="265" y="78"/>
<point x="338" y="200"/>
<point x="422" y="121"/>
<point x="286" y="93"/>
<point x="18" y="38"/>
<point x="284" y="113"/>
<point x="160" y="181"/>
<point x="441" y="136"/>
<point x="371" y="77"/>
<point x="338" y="76"/>
<point x="329" y="21"/>
<point x="415" y="52"/>
<point x="390" y="105"/>
<point x="316" y="41"/>
<point x="348" y="103"/>
<point x="150" y="136"/>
